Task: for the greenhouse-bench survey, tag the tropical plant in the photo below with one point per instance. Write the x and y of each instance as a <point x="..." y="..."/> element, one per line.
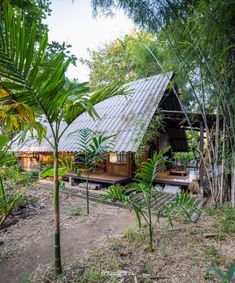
<point x="7" y="201"/>
<point x="151" y="135"/>
<point x="32" y="80"/>
<point x="199" y="39"/>
<point x="224" y="277"/>
<point x="125" y="59"/>
<point x="145" y="191"/>
<point x="5" y="156"/>
<point x="13" y="174"/>
<point x="92" y="150"/>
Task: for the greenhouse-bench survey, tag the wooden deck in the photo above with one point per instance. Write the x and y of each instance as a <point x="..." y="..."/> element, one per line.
<point x="166" y="178"/>
<point x="103" y="178"/>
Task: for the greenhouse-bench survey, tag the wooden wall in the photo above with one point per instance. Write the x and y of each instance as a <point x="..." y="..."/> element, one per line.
<point x="121" y="169"/>
<point x="29" y="161"/>
<point x="33" y="161"/>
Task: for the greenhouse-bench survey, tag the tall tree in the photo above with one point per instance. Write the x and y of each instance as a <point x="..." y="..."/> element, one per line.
<point x="200" y="35"/>
<point x="125" y="59"/>
<point x="42" y="86"/>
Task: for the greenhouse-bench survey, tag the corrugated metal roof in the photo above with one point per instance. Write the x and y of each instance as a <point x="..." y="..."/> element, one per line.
<point x="126" y="117"/>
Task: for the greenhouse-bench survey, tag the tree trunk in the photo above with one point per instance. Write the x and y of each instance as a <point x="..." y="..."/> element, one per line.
<point x="87" y="193"/>
<point x="233" y="183"/>
<point x="58" y="267"/>
<point x="151" y="249"/>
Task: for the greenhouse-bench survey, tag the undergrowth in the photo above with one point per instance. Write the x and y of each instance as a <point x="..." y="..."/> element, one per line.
<point x="225" y="216"/>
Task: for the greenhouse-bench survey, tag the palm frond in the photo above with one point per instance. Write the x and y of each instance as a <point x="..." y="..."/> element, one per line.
<point x="183" y="207"/>
<point x="22" y="65"/>
<point x="116" y="192"/>
<point x="150" y="168"/>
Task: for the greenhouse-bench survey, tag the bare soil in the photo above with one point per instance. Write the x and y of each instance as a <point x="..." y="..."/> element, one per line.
<point x="29" y="242"/>
<point x="97" y="248"/>
<point x="181" y="255"/>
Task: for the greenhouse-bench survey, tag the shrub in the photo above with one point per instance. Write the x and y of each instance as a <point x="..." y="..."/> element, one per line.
<point x="16" y="177"/>
<point x="8" y="201"/>
<point x="225" y="216"/>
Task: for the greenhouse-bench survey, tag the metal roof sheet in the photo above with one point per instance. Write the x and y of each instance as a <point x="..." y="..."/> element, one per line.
<point x="126" y="117"/>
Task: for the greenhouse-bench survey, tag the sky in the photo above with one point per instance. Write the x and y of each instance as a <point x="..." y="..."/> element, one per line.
<point x="72" y="22"/>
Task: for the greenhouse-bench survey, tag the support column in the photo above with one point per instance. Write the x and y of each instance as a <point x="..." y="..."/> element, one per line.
<point x="71" y="181"/>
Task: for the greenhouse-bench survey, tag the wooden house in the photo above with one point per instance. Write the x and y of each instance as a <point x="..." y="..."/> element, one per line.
<point x="128" y="118"/>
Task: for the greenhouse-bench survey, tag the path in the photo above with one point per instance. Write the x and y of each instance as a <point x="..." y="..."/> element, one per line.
<point x="30" y="242"/>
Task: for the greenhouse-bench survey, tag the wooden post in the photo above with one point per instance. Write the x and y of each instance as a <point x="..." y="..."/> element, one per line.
<point x="201" y="169"/>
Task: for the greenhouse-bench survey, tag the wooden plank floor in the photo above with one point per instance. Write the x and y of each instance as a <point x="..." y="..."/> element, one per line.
<point x="166" y="178"/>
<point x="102" y="178"/>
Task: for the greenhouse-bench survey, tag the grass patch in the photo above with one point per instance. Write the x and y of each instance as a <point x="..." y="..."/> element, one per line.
<point x="26" y="278"/>
<point x="225" y="216"/>
<point x="212" y="255"/>
<point x="73" y="212"/>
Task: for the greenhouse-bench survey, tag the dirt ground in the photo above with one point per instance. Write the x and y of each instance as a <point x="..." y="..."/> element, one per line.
<point x="29" y="243"/>
<point x="96" y="247"/>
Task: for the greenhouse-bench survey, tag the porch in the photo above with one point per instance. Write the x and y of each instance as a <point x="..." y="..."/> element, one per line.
<point x="167" y="178"/>
<point x="98" y="178"/>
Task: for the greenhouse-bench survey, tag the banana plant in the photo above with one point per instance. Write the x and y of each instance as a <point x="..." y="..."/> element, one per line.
<point x="183" y="206"/>
<point x="39" y="82"/>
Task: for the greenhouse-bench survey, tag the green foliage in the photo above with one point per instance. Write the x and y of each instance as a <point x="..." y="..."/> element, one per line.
<point x="125" y="59"/>
<point x="183" y="206"/>
<point x="49" y="172"/>
<point x="150" y="168"/>
<point x="5" y="156"/>
<point x="26" y="278"/>
<point x="25" y="66"/>
<point x="16" y="177"/>
<point x="198" y="42"/>
<point x="224" y="277"/>
<point x="7" y="202"/>
<point x="93" y="275"/>
<point x="151" y="135"/>
<point x="34" y="10"/>
<point x="92" y="150"/>
<point x="185" y="156"/>
<point x="31" y="78"/>
<point x="225" y="216"/>
<point x="212" y="255"/>
<point x="74" y="212"/>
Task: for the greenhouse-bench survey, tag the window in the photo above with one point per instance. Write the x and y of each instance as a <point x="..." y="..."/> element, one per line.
<point x="121" y="158"/>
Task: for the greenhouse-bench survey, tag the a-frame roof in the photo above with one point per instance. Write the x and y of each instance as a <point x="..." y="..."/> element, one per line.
<point x="125" y="117"/>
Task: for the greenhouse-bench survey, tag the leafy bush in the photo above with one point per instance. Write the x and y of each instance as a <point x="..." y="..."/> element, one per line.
<point x="225" y="216"/>
<point x="16" y="177"/>
<point x="8" y="201"/>
<point x="74" y="212"/>
<point x="182" y="207"/>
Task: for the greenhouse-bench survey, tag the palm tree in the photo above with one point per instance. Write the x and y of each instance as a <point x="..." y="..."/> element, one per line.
<point x="33" y="80"/>
<point x="182" y="206"/>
